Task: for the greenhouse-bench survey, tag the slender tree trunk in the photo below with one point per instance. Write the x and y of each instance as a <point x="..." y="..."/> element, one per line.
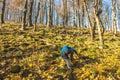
<point x="42" y="9"/>
<point x="52" y="11"/>
<point x="6" y="14"/>
<point x="3" y="12"/>
<point x="107" y="19"/>
<point x="118" y="16"/>
<point x="30" y="8"/>
<point x="97" y="12"/>
<point x="75" y="14"/>
<point x="79" y="18"/>
<point x="24" y="15"/>
<point x="92" y="27"/>
<point x="36" y="16"/>
<point x="57" y="18"/>
<point x="114" y="17"/>
<point x="46" y="13"/>
<point x="65" y="13"/>
<point x="49" y="14"/>
<point x="78" y="11"/>
<point x="83" y="16"/>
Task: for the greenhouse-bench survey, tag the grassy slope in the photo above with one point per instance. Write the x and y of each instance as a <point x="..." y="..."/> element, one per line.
<point x="39" y="51"/>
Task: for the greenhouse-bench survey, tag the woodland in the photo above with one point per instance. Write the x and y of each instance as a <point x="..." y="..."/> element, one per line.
<point x="32" y="33"/>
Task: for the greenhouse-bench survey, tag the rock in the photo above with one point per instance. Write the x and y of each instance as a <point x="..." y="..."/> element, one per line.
<point x="25" y="73"/>
<point x="15" y="69"/>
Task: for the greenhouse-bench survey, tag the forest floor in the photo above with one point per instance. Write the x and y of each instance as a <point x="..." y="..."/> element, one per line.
<point x="28" y="55"/>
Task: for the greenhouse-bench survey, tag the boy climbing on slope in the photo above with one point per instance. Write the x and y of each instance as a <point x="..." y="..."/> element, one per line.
<point x="65" y="51"/>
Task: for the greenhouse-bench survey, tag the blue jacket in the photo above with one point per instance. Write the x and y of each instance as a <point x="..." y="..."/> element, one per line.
<point x="64" y="48"/>
<point x="67" y="50"/>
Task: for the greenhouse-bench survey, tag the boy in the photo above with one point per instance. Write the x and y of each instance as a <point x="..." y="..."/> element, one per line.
<point x="65" y="51"/>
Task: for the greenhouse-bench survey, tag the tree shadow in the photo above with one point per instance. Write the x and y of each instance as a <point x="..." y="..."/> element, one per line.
<point x="85" y="60"/>
<point x="72" y="76"/>
<point x="7" y="60"/>
<point x="24" y="53"/>
<point x="26" y="73"/>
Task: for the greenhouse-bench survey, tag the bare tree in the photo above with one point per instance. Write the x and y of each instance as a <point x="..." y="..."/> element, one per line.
<point x="42" y="10"/>
<point x="24" y="15"/>
<point x="92" y="27"/>
<point x="78" y="10"/>
<point x="3" y="12"/>
<point x="36" y="15"/>
<point x="83" y="15"/>
<point x="74" y="13"/>
<point x="65" y="13"/>
<point x="97" y="12"/>
<point x="30" y="11"/>
<point x="114" y="28"/>
<point x="49" y="14"/>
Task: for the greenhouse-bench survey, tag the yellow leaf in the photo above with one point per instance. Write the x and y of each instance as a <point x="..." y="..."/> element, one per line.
<point x="14" y="60"/>
<point x="30" y="64"/>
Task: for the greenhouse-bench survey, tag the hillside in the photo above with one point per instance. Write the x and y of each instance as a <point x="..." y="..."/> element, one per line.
<point x="28" y="55"/>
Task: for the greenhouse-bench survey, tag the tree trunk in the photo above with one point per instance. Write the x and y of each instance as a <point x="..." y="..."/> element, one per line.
<point x="3" y="12"/>
<point x="49" y="14"/>
<point x="24" y="15"/>
<point x="83" y="15"/>
<point x="42" y="9"/>
<point x="97" y="12"/>
<point x="36" y="16"/>
<point x="107" y="21"/>
<point x="114" y="17"/>
<point x="46" y="13"/>
<point x="65" y="13"/>
<point x="74" y="13"/>
<point x="30" y="12"/>
<point x="92" y="27"/>
<point x="52" y="12"/>
<point x="57" y="18"/>
<point x="78" y="10"/>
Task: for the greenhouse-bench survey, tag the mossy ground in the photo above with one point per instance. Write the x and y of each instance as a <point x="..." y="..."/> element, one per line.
<point x="38" y="53"/>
